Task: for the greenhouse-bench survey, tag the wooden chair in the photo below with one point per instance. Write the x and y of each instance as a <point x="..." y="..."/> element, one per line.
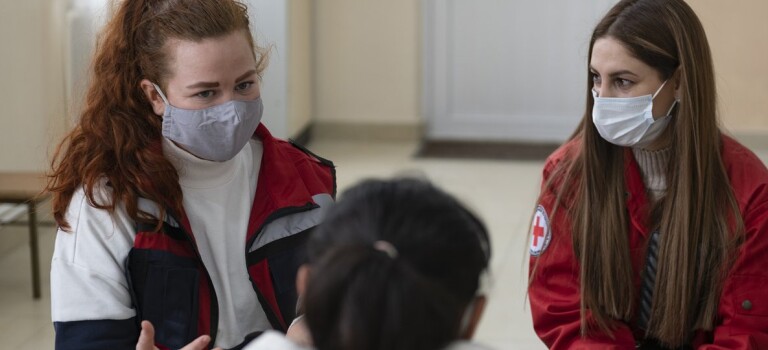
<point x="25" y="188"/>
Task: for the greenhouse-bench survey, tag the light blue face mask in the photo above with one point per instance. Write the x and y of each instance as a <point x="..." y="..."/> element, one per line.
<point x="629" y="121"/>
<point x="215" y="133"/>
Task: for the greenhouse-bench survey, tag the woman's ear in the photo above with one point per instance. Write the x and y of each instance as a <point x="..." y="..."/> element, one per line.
<point x="676" y="78"/>
<point x="475" y="309"/>
<point x="158" y="105"/>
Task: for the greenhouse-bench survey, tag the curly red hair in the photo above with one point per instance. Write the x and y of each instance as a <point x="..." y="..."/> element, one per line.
<point x="118" y="136"/>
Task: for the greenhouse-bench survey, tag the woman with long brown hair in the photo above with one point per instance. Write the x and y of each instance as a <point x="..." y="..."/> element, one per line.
<point x="651" y="226"/>
<point x="175" y="205"/>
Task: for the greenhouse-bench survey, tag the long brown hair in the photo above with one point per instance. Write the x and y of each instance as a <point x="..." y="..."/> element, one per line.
<point x="118" y="137"/>
<point x="700" y="220"/>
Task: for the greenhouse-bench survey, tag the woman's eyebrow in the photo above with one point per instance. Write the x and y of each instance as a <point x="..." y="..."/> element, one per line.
<point x="203" y="84"/>
<point x="246" y="75"/>
<point x="208" y="85"/>
<point x="617" y="73"/>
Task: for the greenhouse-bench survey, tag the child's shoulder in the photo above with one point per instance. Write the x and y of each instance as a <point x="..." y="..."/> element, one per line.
<point x="273" y="340"/>
<point x="466" y="345"/>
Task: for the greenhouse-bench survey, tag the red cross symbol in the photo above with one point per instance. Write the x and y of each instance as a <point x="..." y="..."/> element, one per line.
<point x="538" y="231"/>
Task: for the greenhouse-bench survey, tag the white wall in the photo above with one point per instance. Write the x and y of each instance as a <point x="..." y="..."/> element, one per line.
<point x="506" y="70"/>
<point x="82" y="21"/>
<point x="268" y="24"/>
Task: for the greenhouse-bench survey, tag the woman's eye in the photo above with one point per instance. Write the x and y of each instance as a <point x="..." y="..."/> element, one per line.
<point x="244" y="86"/>
<point x="623" y="83"/>
<point x="595" y="79"/>
<point x="205" y="94"/>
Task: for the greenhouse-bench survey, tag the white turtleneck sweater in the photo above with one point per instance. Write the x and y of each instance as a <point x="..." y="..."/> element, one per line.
<point x="653" y="166"/>
<point x="217" y="199"/>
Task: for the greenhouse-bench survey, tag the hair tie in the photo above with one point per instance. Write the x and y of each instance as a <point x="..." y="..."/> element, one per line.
<point x="386" y="247"/>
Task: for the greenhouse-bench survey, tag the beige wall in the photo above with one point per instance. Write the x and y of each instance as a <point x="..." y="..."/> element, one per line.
<point x="738" y="35"/>
<point x="368" y="61"/>
<point x="300" y="54"/>
<point x="32" y="92"/>
<point x="366" y="68"/>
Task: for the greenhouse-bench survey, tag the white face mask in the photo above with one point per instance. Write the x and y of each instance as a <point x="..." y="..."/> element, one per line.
<point x="629" y="121"/>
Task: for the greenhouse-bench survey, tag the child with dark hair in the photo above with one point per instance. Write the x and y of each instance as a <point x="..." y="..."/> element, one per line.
<point x="396" y="265"/>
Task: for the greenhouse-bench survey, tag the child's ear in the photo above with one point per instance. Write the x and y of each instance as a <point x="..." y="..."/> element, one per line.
<point x="301" y="279"/>
<point x="477" y="308"/>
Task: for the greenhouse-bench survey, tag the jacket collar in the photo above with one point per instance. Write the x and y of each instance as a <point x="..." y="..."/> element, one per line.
<point x="280" y="184"/>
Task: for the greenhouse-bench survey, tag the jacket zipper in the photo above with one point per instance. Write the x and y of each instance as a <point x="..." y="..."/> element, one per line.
<point x="279" y="213"/>
<point x="214" y="299"/>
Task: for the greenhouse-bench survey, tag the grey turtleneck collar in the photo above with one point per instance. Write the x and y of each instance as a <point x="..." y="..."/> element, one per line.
<point x="653" y="166"/>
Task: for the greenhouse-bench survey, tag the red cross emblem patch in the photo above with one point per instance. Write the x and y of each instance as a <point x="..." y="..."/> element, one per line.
<point x="540" y="232"/>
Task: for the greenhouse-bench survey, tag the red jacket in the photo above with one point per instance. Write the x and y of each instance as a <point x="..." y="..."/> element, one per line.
<point x="554" y="290"/>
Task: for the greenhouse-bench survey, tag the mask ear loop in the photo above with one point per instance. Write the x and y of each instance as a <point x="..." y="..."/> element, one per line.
<point x="467" y="317"/>
<point x="674" y="103"/>
<point x="659" y="90"/>
<point x="482" y="290"/>
<point x="386" y="248"/>
<point x="162" y="95"/>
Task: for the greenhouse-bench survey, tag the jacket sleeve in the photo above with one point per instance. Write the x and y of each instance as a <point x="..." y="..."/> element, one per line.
<point x="554" y="286"/>
<point x="97" y="334"/>
<point x="743" y="310"/>
<point x="91" y="305"/>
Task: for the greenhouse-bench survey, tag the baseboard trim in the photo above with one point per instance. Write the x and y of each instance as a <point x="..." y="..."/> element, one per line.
<point x="519" y="151"/>
<point x="755" y="140"/>
<point x="304" y="137"/>
<point x="368" y="131"/>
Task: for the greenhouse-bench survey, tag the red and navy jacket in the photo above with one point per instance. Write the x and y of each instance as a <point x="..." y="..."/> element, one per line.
<point x="169" y="284"/>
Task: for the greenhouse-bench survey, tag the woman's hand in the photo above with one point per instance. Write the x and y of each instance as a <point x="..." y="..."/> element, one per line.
<point x="147" y="339"/>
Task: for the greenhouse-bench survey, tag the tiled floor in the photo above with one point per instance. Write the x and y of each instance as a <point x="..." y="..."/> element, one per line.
<point x="25" y="323"/>
<point x="502" y="192"/>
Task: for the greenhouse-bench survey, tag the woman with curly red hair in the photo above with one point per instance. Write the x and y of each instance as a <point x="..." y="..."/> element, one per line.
<point x="175" y="205"/>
